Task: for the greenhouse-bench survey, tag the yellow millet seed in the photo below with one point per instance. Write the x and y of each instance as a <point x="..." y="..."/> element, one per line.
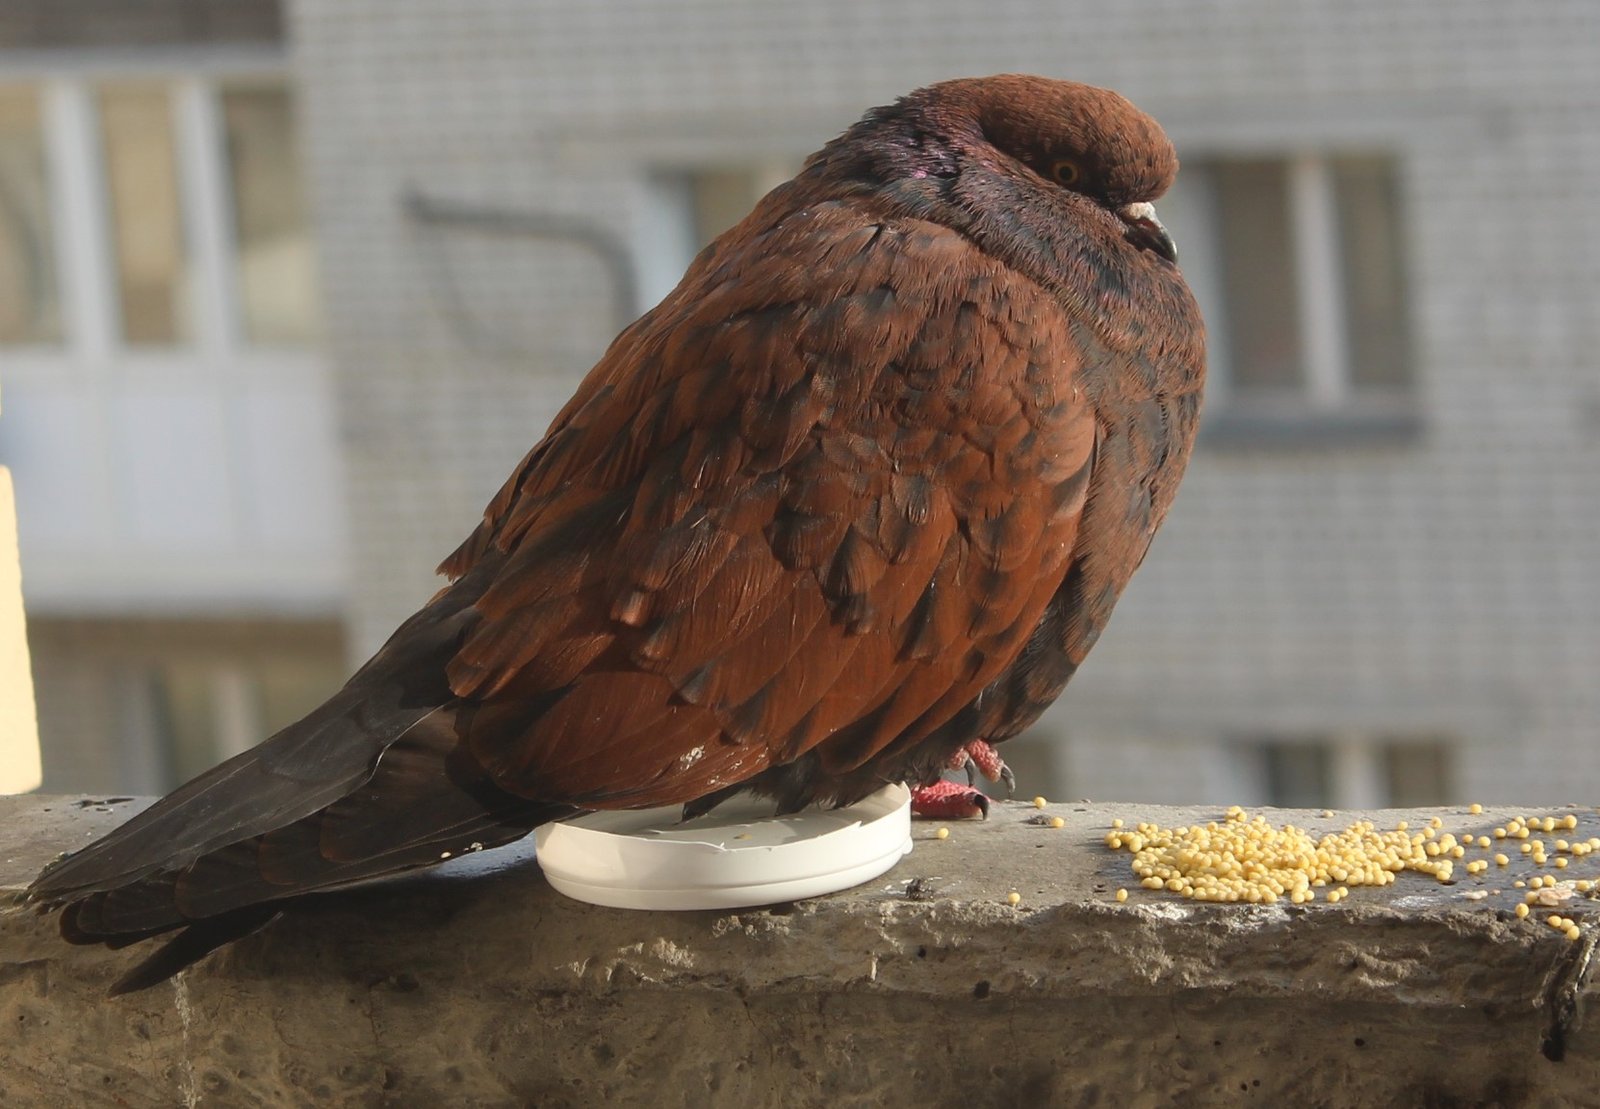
<point x="1527" y="848"/>
<point x="1122" y="895"/>
<point x="1402" y="826"/>
<point x="1501" y="860"/>
<point x="1483" y="841"/>
<point x="1457" y="851"/>
<point x="1061" y="822"/>
<point x="1013" y="898"/>
<point x="1555" y="921"/>
<point x="1562" y="845"/>
<point x="1561" y="864"/>
<point x="942" y="833"/>
<point x="1569" y="821"/>
<point x="1474" y="808"/>
<point x="1499" y="833"/>
<point x="1247" y="859"/>
<point x="1115" y="824"/>
<point x="1521" y="833"/>
<point x="1574" y="932"/>
<point x="1584" y="885"/>
<point x="1436" y="822"/>
<point x="1549" y="824"/>
<point x="1521" y="911"/>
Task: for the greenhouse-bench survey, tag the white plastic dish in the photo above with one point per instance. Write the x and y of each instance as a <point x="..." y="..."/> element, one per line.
<point x="736" y="856"/>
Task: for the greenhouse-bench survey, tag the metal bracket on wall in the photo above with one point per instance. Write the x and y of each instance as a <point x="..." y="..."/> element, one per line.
<point x="454" y="215"/>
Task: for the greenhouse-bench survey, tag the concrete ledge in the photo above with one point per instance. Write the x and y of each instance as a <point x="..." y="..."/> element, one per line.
<point x="479" y="985"/>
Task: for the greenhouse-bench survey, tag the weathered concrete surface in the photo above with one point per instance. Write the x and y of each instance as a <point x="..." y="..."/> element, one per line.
<point x="482" y="986"/>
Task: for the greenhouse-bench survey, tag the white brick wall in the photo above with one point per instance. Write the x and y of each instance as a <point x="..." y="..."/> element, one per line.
<point x="1447" y="585"/>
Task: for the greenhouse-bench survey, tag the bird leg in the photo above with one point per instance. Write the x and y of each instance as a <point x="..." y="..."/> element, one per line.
<point x="947" y="800"/>
<point x="979" y="756"/>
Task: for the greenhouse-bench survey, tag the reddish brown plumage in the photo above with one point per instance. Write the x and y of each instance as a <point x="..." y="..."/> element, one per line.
<point x="862" y="489"/>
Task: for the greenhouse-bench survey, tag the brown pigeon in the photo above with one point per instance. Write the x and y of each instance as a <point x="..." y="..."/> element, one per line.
<point x="860" y="492"/>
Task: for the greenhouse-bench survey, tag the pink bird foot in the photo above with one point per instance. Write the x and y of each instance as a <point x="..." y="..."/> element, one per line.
<point x="947" y="800"/>
<point x="979" y="756"/>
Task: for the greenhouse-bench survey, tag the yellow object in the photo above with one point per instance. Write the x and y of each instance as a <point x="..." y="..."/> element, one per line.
<point x="1247" y="859"/>
<point x="1122" y="895"/>
<point x="943" y="833"/>
<point x="1058" y="822"/>
<point x="19" y="727"/>
<point x="1014" y="898"/>
<point x="1521" y="911"/>
<point x="1474" y="808"/>
<point x="1039" y="802"/>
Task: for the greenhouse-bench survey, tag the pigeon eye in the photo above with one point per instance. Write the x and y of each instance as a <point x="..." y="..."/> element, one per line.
<point x="1065" y="171"/>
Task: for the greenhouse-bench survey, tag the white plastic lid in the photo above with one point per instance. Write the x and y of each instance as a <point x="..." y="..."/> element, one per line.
<point x="736" y="856"/>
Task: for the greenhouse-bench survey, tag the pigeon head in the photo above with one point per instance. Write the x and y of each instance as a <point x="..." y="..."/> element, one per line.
<point x="963" y="151"/>
<point x="1088" y="140"/>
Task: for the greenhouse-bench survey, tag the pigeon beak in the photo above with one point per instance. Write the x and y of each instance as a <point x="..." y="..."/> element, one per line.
<point x="1145" y="231"/>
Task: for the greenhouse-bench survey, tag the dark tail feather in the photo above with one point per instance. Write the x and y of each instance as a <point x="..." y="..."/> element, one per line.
<point x="375" y="782"/>
<point x="427" y="800"/>
<point x="190" y="946"/>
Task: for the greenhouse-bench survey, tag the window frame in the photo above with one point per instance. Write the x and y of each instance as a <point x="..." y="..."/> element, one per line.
<point x="1329" y="408"/>
<point x="1359" y="764"/>
<point x="92" y="342"/>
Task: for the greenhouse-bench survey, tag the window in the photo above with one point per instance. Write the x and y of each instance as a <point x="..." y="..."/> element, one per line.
<point x="1297" y="264"/>
<point x="141" y="168"/>
<point x="1417" y="774"/>
<point x="694" y="206"/>
<point x="723" y="197"/>
<point x="1298" y="775"/>
<point x="187" y="208"/>
<point x="272" y="232"/>
<point x="1355" y="771"/>
<point x="139" y="705"/>
<point x="30" y="296"/>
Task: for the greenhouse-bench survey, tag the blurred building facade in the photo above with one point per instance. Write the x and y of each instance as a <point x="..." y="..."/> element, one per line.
<point x="1378" y="585"/>
<point x="170" y="417"/>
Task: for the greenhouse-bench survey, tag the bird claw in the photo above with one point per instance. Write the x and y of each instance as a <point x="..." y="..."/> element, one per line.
<point x="979" y="756"/>
<point x="947" y="800"/>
